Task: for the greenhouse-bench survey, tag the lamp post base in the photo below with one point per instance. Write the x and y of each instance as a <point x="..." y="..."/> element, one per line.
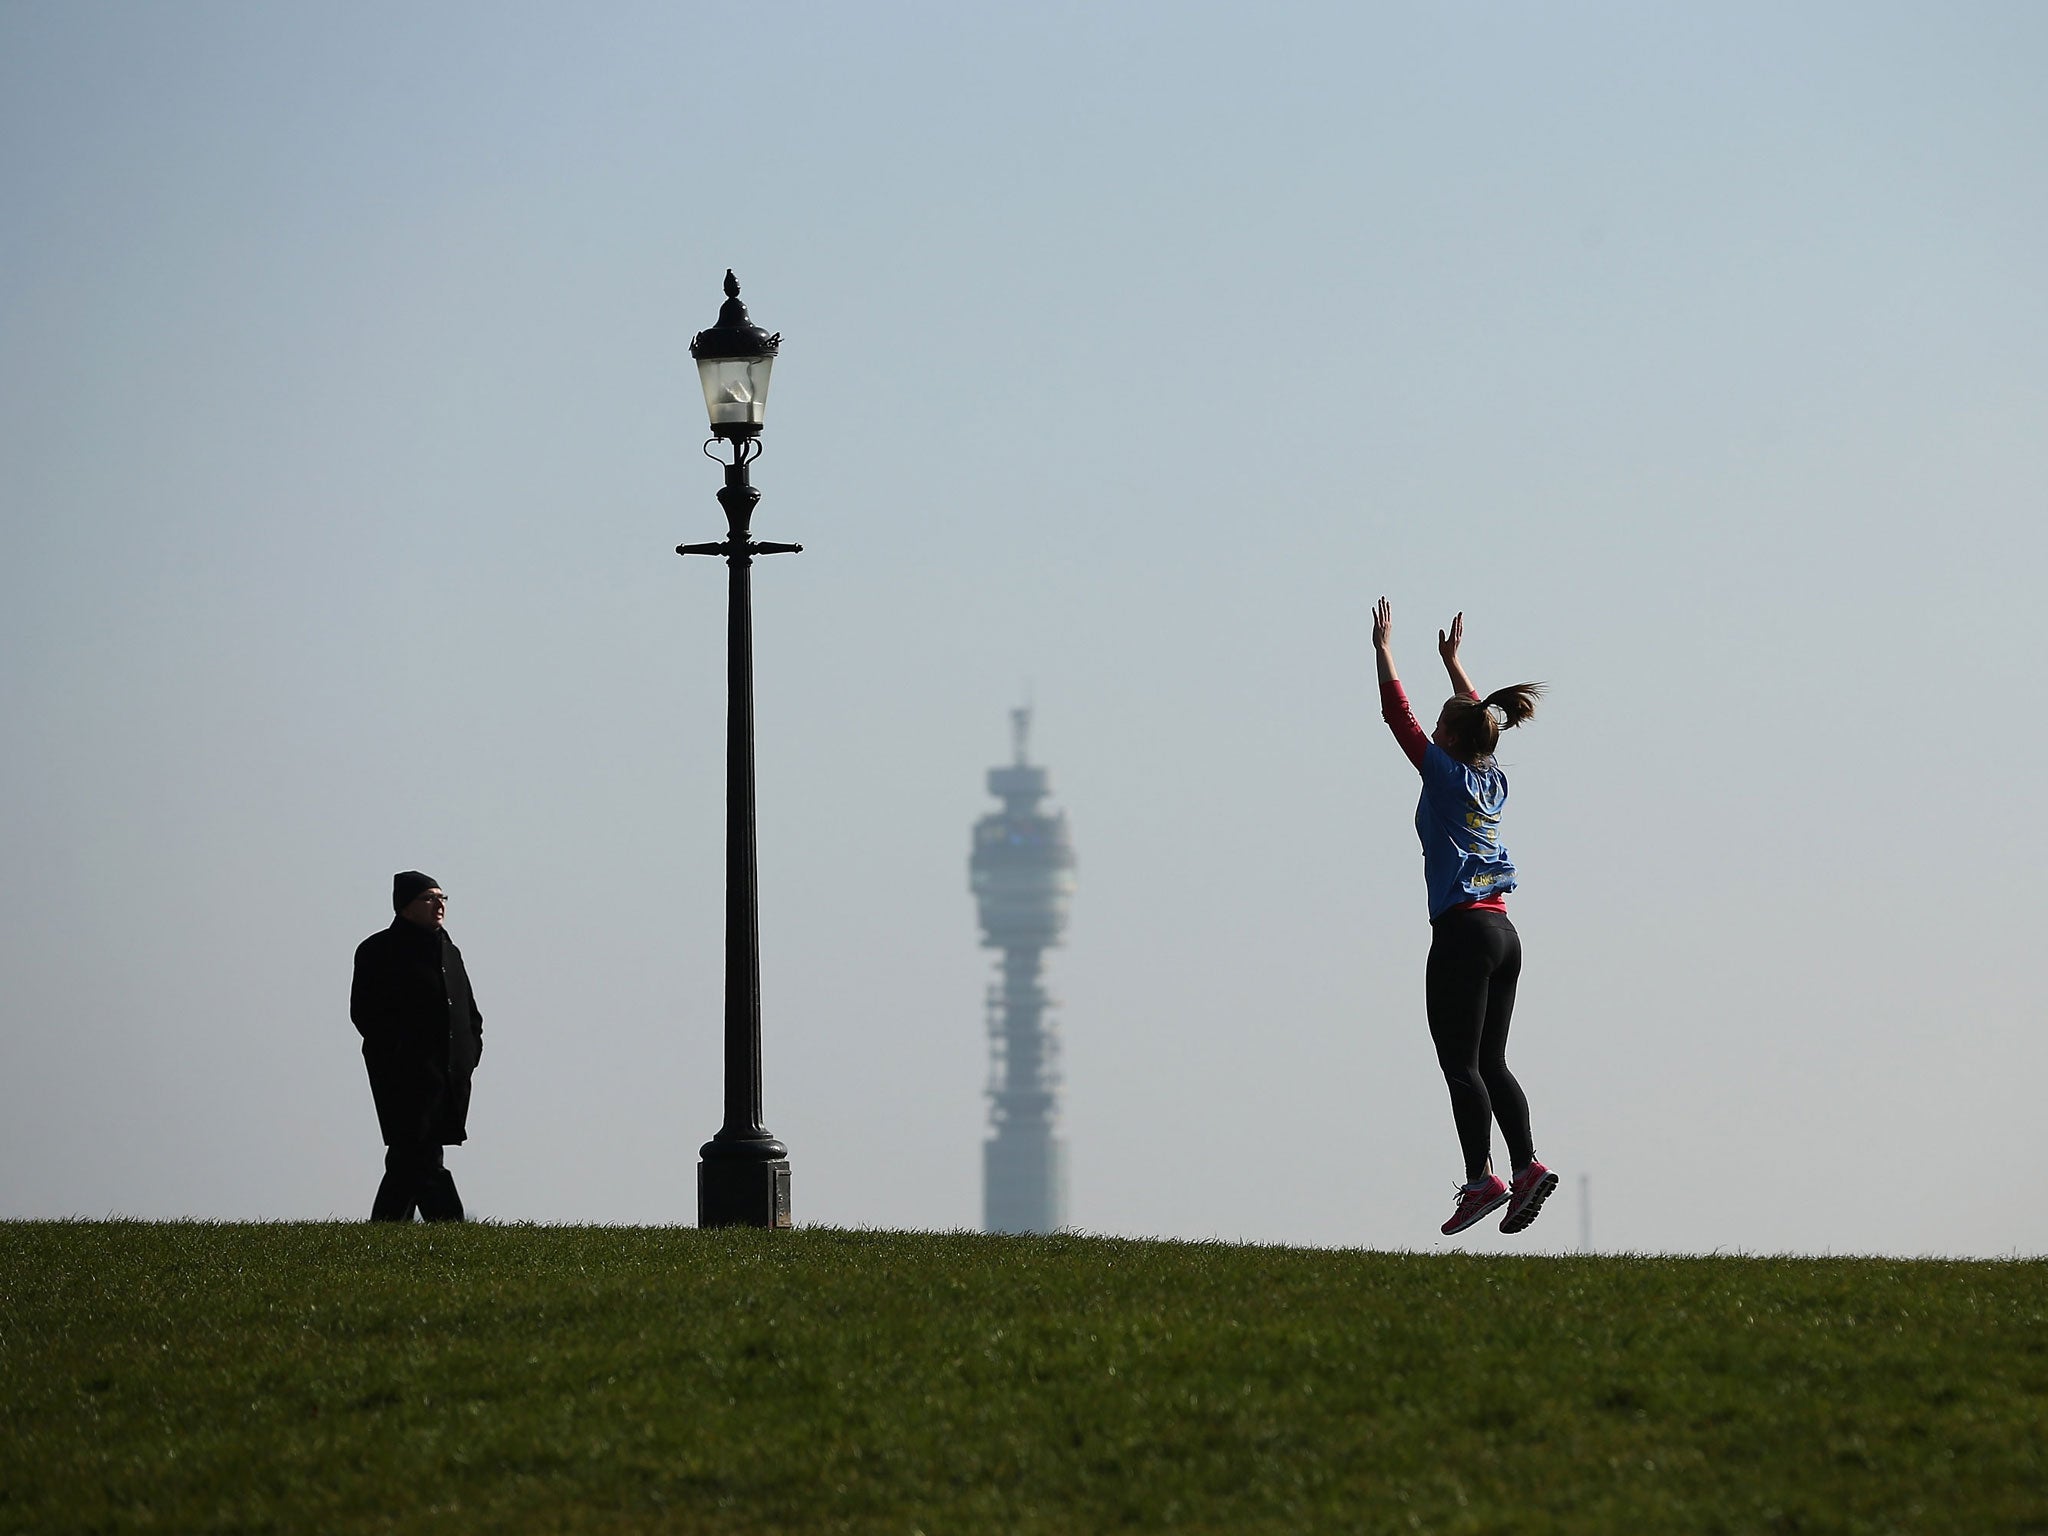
<point x="736" y="1193"/>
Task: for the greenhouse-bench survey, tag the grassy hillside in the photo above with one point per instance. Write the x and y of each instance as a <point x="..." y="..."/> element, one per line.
<point x="329" y="1378"/>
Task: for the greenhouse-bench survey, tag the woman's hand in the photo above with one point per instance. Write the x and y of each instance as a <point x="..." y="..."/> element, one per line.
<point x="1447" y="642"/>
<point x="1382" y="641"/>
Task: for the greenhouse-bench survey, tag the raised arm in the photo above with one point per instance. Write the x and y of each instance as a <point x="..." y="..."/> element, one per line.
<point x="1393" y="699"/>
<point x="1447" y="647"/>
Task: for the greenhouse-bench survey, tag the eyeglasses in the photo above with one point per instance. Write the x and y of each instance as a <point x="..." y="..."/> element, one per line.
<point x="435" y="897"/>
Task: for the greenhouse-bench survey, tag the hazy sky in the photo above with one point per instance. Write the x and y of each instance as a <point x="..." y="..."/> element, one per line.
<point x="347" y="425"/>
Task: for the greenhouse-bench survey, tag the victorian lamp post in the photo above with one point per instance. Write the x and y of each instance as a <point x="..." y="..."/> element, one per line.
<point x="743" y="1171"/>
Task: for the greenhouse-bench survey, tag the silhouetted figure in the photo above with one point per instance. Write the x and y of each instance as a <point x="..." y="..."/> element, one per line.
<point x="422" y="1037"/>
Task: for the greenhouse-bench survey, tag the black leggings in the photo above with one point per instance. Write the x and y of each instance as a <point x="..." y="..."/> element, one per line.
<point x="1475" y="959"/>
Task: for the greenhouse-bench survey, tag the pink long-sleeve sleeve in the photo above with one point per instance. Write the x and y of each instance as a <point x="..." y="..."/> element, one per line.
<point x="1401" y="721"/>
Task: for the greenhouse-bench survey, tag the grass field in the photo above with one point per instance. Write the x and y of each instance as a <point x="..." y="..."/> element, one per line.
<point x="331" y="1378"/>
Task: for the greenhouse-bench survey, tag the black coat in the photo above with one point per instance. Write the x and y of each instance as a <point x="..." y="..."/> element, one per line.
<point x="422" y="1032"/>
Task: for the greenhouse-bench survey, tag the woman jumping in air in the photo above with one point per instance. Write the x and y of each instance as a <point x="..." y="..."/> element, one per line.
<point x="1475" y="955"/>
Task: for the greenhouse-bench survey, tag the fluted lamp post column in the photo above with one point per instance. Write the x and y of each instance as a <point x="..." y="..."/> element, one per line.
<point x="743" y="1171"/>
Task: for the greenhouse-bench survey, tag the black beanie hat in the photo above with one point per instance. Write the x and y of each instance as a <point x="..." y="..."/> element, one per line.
<point x="406" y="886"/>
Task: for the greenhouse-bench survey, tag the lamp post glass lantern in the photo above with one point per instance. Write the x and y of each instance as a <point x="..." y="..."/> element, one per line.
<point x="743" y="1171"/>
<point x="734" y="359"/>
<point x="735" y="392"/>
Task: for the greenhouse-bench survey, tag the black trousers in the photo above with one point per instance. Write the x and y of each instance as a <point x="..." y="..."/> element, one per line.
<point x="1475" y="959"/>
<point x="415" y="1178"/>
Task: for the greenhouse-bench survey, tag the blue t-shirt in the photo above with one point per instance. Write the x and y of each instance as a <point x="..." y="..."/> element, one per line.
<point x="1458" y="820"/>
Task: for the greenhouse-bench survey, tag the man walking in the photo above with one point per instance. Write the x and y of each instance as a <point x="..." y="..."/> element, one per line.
<point x="422" y="1037"/>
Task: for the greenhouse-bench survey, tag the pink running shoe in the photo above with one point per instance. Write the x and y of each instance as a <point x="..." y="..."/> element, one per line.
<point x="1532" y="1187"/>
<point x="1475" y="1200"/>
